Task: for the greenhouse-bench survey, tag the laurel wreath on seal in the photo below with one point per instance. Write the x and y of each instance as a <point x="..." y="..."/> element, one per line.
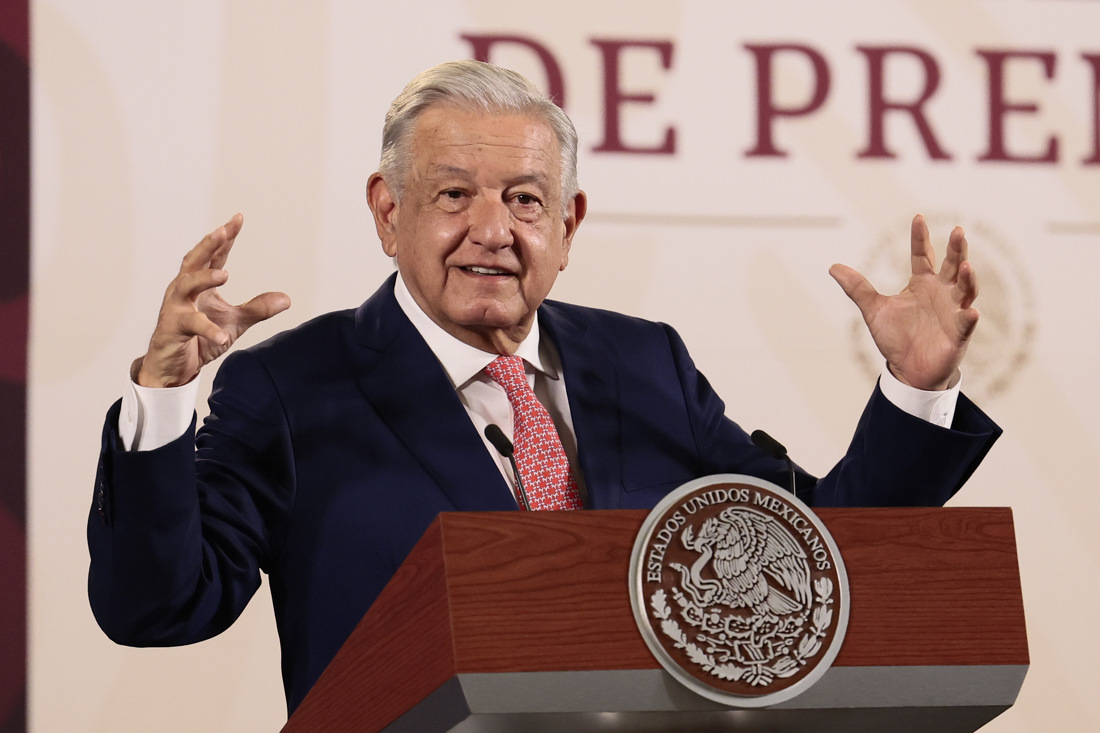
<point x="760" y="673"/>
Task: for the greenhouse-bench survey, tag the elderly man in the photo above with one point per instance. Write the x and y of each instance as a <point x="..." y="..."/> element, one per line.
<point x="331" y="447"/>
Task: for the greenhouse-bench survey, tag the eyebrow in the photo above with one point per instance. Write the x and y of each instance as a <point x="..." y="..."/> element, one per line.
<point x="537" y="178"/>
<point x="443" y="170"/>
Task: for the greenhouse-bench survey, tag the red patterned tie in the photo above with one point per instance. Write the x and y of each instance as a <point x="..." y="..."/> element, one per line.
<point x="541" y="459"/>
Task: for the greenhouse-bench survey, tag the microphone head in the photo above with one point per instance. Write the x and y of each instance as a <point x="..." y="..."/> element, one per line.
<point x="768" y="444"/>
<point x="499" y="440"/>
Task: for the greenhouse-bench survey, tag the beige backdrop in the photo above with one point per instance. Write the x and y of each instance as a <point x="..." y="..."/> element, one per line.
<point x="154" y="122"/>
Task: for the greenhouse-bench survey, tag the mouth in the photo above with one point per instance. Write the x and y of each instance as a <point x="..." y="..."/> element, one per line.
<point x="485" y="270"/>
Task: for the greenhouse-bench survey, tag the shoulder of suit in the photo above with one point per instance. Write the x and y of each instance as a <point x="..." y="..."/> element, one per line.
<point x="601" y="319"/>
<point x="311" y="337"/>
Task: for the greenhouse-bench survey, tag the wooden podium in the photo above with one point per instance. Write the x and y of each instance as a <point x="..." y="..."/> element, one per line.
<point x="521" y="621"/>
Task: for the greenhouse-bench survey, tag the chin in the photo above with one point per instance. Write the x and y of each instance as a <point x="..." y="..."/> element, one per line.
<point x="493" y="316"/>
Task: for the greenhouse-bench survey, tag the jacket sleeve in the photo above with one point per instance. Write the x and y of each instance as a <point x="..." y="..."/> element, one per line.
<point x="894" y="458"/>
<point x="178" y="535"/>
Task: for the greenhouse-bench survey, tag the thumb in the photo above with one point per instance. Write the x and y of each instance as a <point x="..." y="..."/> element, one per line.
<point x="855" y="286"/>
<point x="261" y="308"/>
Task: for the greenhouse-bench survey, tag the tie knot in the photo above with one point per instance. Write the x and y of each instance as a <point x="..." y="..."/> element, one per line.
<point x="508" y="372"/>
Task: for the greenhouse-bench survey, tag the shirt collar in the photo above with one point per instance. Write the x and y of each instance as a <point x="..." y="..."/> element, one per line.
<point x="461" y="361"/>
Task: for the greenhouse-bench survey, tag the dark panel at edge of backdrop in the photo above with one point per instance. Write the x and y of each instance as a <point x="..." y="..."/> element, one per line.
<point x="14" y="300"/>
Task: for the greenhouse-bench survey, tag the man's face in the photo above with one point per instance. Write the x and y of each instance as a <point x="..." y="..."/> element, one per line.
<point x="479" y="233"/>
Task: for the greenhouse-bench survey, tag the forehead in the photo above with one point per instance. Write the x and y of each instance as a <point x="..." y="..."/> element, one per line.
<point x="449" y="140"/>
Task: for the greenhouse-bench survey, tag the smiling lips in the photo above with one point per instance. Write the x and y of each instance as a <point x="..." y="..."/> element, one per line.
<point x="486" y="270"/>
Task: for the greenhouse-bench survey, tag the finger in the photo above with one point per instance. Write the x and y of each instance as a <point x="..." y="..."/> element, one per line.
<point x="188" y="286"/>
<point x="231" y="228"/>
<point x="966" y="286"/>
<point x="921" y="253"/>
<point x="213" y="249"/>
<point x="194" y="323"/>
<point x="261" y="308"/>
<point x="855" y="286"/>
<point x="956" y="255"/>
<point x="966" y="321"/>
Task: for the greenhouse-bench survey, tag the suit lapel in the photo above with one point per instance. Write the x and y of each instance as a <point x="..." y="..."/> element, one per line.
<point x="406" y="385"/>
<point x="594" y="402"/>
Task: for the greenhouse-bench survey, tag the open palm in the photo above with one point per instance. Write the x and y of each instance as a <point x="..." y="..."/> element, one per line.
<point x="924" y="330"/>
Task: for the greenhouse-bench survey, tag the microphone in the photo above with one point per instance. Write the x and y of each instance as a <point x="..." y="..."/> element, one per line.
<point x="775" y="449"/>
<point x="504" y="446"/>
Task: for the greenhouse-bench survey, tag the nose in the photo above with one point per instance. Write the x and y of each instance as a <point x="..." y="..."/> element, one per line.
<point x="490" y="223"/>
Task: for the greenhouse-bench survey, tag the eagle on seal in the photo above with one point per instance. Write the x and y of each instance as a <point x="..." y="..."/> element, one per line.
<point x="755" y="563"/>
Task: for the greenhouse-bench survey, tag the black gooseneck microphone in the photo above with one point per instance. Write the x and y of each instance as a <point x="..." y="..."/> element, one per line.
<point x="773" y="448"/>
<point x="504" y="446"/>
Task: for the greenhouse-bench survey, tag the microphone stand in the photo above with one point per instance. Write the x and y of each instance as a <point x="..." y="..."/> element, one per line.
<point x="504" y="446"/>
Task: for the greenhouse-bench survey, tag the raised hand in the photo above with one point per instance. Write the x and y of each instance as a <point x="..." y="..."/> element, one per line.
<point x="924" y="330"/>
<point x="196" y="325"/>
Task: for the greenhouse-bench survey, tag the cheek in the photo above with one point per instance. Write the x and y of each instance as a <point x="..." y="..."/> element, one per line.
<point x="428" y="245"/>
<point x="418" y="262"/>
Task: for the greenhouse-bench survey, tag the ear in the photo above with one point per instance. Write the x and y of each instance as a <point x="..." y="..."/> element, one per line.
<point x="574" y="215"/>
<point x="384" y="207"/>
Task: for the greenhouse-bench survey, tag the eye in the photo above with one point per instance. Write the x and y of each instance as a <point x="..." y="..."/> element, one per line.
<point x="525" y="206"/>
<point x="452" y="199"/>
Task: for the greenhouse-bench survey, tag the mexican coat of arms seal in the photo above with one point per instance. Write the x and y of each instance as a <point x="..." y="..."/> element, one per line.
<point x="739" y="590"/>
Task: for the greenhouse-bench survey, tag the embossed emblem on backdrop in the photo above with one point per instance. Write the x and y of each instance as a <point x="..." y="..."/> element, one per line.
<point x="739" y="590"/>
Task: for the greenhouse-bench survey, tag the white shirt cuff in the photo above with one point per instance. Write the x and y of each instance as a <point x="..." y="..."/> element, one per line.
<point x="153" y="417"/>
<point x="936" y="407"/>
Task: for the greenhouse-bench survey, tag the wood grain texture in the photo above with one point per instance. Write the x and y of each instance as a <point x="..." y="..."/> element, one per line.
<point x="543" y="593"/>
<point x="930" y="586"/>
<point x="548" y="591"/>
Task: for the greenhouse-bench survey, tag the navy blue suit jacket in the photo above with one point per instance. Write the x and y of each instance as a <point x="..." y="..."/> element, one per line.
<point x="331" y="447"/>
